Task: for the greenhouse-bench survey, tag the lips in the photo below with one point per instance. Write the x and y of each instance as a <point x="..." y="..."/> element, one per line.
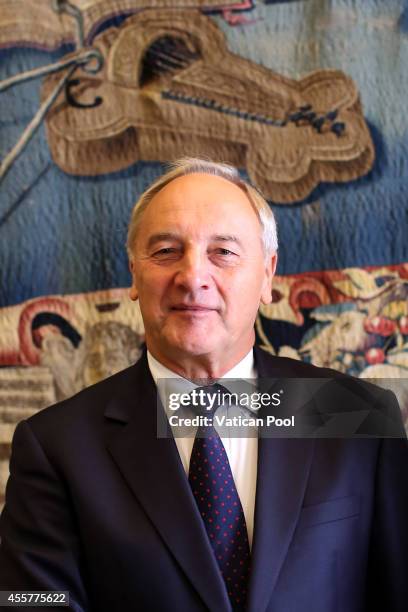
<point x="192" y="308"/>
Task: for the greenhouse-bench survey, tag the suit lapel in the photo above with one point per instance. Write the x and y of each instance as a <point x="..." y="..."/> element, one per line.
<point x="283" y="469"/>
<point x="153" y="470"/>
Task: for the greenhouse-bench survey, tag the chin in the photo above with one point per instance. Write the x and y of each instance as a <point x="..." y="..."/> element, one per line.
<point x="194" y="345"/>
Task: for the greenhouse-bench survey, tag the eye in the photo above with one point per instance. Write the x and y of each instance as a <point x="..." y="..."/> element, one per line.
<point x="225" y="252"/>
<point x="224" y="257"/>
<point x="166" y="253"/>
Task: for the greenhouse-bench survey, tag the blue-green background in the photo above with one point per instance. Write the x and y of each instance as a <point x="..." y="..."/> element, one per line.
<point x="64" y="234"/>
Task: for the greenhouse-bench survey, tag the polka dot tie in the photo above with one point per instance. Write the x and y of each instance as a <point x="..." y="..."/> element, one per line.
<point x="214" y="490"/>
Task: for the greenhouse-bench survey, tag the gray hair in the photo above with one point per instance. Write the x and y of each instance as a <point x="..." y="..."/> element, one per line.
<point x="193" y="165"/>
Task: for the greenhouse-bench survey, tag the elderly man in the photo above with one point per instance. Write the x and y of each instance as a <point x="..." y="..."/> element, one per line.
<point x="98" y="505"/>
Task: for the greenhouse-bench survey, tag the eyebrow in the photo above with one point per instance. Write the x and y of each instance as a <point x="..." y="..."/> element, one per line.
<point x="155" y="238"/>
<point x="227" y="238"/>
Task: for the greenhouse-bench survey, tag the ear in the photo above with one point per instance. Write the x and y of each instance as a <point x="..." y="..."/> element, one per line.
<point x="133" y="293"/>
<point x="270" y="268"/>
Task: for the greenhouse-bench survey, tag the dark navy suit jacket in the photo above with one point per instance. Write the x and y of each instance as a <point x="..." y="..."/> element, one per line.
<point x="99" y="506"/>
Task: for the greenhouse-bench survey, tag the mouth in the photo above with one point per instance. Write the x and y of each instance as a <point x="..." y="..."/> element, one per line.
<point x="192" y="308"/>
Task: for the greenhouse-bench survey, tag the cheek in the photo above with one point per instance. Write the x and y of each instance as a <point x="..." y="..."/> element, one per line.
<point x="246" y="301"/>
<point x="152" y="299"/>
<point x="256" y="283"/>
<point x="239" y="302"/>
<point x="245" y="289"/>
<point x="150" y="285"/>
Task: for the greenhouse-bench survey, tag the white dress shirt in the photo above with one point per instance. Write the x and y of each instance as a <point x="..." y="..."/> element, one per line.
<point x="242" y="452"/>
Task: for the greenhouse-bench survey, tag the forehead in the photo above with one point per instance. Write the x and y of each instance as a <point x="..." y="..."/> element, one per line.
<point x="201" y="200"/>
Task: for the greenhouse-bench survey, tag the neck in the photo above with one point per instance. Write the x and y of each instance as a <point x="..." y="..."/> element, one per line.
<point x="203" y="369"/>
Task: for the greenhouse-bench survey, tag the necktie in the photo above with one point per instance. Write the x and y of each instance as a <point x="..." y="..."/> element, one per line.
<point x="214" y="490"/>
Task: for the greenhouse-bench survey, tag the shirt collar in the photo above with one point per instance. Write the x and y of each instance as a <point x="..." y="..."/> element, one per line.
<point x="168" y="382"/>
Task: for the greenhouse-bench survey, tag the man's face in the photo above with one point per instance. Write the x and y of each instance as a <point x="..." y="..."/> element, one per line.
<point x="199" y="270"/>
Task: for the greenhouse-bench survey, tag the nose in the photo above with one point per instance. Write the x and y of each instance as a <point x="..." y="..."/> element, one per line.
<point x="193" y="272"/>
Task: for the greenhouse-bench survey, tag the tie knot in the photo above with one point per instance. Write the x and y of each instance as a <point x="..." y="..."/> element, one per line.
<point x="207" y="399"/>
